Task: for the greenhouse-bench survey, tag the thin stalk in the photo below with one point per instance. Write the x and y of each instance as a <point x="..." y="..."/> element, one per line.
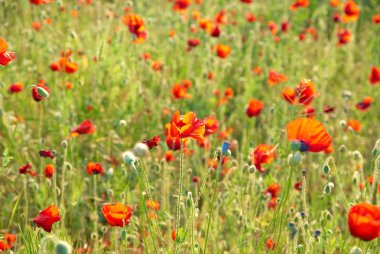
<point x="212" y="201"/>
<point x="180" y="187"/>
<point x="338" y="181"/>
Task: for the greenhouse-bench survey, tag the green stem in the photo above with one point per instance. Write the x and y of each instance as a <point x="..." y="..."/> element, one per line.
<point x="180" y="187"/>
<point x="212" y="201"/>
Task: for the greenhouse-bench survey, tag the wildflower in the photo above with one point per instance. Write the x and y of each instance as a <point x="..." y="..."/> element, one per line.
<point x="86" y="127"/>
<point x="364" y="221"/>
<point x="49" y="170"/>
<point x="299" y="4"/>
<point x="5" y="55"/>
<point x="263" y="154"/>
<point x="254" y="107"/>
<point x="186" y="126"/>
<point x="94" y="168"/>
<point x="309" y="134"/>
<point x="136" y="27"/>
<point x="365" y="104"/>
<point x="274" y="78"/>
<point x="47" y="218"/>
<point x="117" y="215"/>
<point x="351" y="11"/>
<point x="223" y="51"/>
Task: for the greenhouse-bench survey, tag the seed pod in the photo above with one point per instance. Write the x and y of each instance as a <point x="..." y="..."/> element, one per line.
<point x="62" y="247"/>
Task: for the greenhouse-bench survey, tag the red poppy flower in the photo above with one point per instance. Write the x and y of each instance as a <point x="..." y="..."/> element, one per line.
<point x="285" y="26"/>
<point x="263" y="154"/>
<point x="365" y="104"/>
<point x="215" y="32"/>
<point x="5" y="55"/>
<point x="94" y="168"/>
<point x="180" y="92"/>
<point x="271" y="244"/>
<point x="246" y="1"/>
<point x="192" y="43"/>
<point x="305" y="92"/>
<point x="174" y="143"/>
<point x="211" y="125"/>
<point x="273" y="190"/>
<point x="250" y="17"/>
<point x="4" y="246"/>
<point x="153" y="142"/>
<point x="47" y="218"/>
<point x="10" y="238"/>
<point x="25" y="168"/>
<point x="49" y="170"/>
<point x="354" y="125"/>
<point x="39" y="2"/>
<point x="181" y="5"/>
<point x="136" y="27"/>
<point x="86" y="127"/>
<point x="272" y="203"/>
<point x="344" y="36"/>
<point x="272" y="26"/>
<point x="15" y="88"/>
<point x="374" y="77"/>
<point x="274" y="78"/>
<point x="117" y="215"/>
<point x="308" y="111"/>
<point x="64" y="64"/>
<point x="36" y="95"/>
<point x="364" y="221"/>
<point x="309" y="133"/>
<point x="328" y="109"/>
<point x="223" y="51"/>
<point x="376" y="19"/>
<point x="289" y="95"/>
<point x="46" y="154"/>
<point x="186" y="126"/>
<point x="298" y="186"/>
<point x="169" y="156"/>
<point x="254" y="107"/>
<point x="351" y="11"/>
<point x="334" y="3"/>
<point x="299" y="4"/>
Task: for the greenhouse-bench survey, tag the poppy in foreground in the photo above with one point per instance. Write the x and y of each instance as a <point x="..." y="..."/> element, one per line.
<point x="117" y="215"/>
<point x="364" y="221"/>
<point x="186" y="126"/>
<point x="263" y="154"/>
<point x="309" y="134"/>
<point x="47" y="218"/>
<point x="86" y="127"/>
<point x="5" y="55"/>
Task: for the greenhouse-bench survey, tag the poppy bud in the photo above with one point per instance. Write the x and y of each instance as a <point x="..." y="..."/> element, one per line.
<point x="110" y="193"/>
<point x="110" y="172"/>
<point x="357" y="155"/>
<point x="328" y="188"/>
<point x="62" y="247"/>
<point x="252" y="169"/>
<point x="343" y="124"/>
<point x="129" y="157"/>
<point x="326" y="169"/>
<point x="189" y="200"/>
<point x="342" y="149"/>
<point x="123" y="123"/>
<point x="64" y="144"/>
<point x="42" y="92"/>
<point x="356" y="250"/>
<point x="141" y="150"/>
<point x="346" y="94"/>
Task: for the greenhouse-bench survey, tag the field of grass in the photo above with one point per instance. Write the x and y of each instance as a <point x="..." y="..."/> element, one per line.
<point x="284" y="146"/>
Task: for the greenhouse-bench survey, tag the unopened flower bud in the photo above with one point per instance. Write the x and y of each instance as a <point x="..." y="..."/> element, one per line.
<point x="141" y="150"/>
<point x="62" y="247"/>
<point x="129" y="157"/>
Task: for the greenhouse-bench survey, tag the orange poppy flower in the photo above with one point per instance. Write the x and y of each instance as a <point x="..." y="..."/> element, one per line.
<point x="364" y="221"/>
<point x="309" y="134"/>
<point x="351" y="11"/>
<point x="344" y="36"/>
<point x="180" y="92"/>
<point x="354" y="125"/>
<point x="49" y="170"/>
<point x="334" y="3"/>
<point x="223" y="51"/>
<point x="263" y="154"/>
<point x="157" y="65"/>
<point x="94" y="168"/>
<point x="272" y="26"/>
<point x="257" y="70"/>
<point x="374" y="77"/>
<point x="10" y="238"/>
<point x="289" y="95"/>
<point x="365" y="104"/>
<point x="37" y="25"/>
<point x="64" y="64"/>
<point x="220" y="17"/>
<point x="376" y="19"/>
<point x="174" y="143"/>
<point x="254" y="107"/>
<point x="153" y="205"/>
<point x="211" y="125"/>
<point x="117" y="215"/>
<point x="274" y="78"/>
<point x="15" y="88"/>
<point x="181" y="5"/>
<point x="136" y="27"/>
<point x="186" y="126"/>
<point x="5" y="55"/>
<point x="47" y="218"/>
<point x="299" y="4"/>
<point x="273" y="190"/>
<point x="205" y="24"/>
<point x="86" y="127"/>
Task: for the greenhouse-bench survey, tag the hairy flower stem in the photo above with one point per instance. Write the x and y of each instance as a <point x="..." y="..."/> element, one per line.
<point x="180" y="189"/>
<point x="62" y="205"/>
<point x="157" y="227"/>
<point x="142" y="203"/>
<point x="333" y="166"/>
<point x="212" y="201"/>
<point x="95" y="213"/>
